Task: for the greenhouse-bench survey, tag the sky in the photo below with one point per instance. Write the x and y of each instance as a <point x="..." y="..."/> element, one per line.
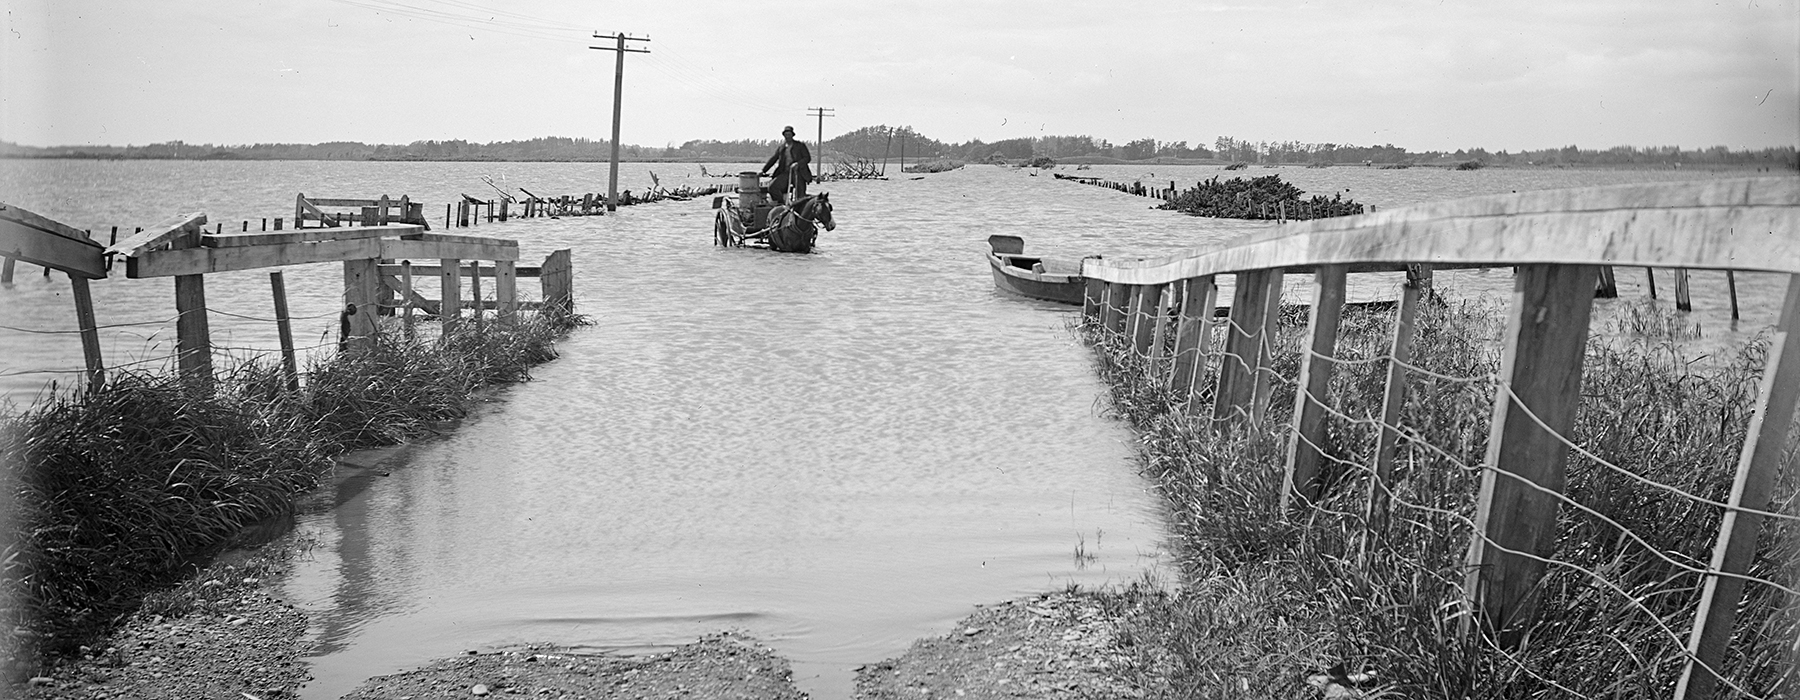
<point x="1425" y="75"/>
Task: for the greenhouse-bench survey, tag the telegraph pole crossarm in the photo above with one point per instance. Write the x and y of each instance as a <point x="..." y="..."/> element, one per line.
<point x="612" y="185"/>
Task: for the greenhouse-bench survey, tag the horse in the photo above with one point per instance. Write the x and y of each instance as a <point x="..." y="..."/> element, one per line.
<point x="791" y="228"/>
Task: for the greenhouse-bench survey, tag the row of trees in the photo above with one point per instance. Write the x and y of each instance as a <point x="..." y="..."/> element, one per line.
<point x="883" y="141"/>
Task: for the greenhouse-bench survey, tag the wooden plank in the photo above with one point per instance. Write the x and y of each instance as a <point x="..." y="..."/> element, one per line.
<point x="304" y="209"/>
<point x="1732" y="224"/>
<point x="1418" y="283"/>
<point x="412" y="295"/>
<point x="207" y="260"/>
<point x="318" y="202"/>
<point x="1546" y="336"/>
<point x="459" y="238"/>
<point x="307" y="236"/>
<point x="193" y="338"/>
<point x="159" y="234"/>
<point x="422" y="270"/>
<point x="1243" y="351"/>
<point x="1300" y="478"/>
<point x="558" y="282"/>
<point x="1751" y="488"/>
<point x="45" y="224"/>
<point x="90" y="334"/>
<point x="33" y="245"/>
<point x="1193" y="338"/>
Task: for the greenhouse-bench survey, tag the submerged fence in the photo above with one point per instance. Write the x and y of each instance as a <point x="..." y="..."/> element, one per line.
<point x="1162" y="311"/>
<point x="375" y="249"/>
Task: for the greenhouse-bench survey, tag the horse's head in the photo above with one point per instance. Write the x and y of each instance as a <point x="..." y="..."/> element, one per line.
<point x="818" y="208"/>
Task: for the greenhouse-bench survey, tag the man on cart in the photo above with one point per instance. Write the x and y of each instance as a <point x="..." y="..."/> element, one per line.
<point x="792" y="164"/>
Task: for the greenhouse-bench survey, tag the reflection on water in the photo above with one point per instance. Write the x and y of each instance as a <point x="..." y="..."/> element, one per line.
<point x="838" y="452"/>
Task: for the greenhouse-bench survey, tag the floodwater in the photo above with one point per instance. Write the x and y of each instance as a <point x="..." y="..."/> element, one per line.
<point x="838" y="453"/>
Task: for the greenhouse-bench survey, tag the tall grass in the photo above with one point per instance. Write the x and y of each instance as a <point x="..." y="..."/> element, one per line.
<point x="1267" y="599"/>
<point x="123" y="490"/>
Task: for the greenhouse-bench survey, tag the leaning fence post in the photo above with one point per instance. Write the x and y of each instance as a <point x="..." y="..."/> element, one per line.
<point x="1166" y="298"/>
<point x="1418" y="283"/>
<point x="1260" y="384"/>
<point x="90" y="333"/>
<point x="285" y="329"/>
<point x="1300" y="478"/>
<point x="1117" y="297"/>
<point x="475" y="290"/>
<point x="1193" y="337"/>
<point x="1751" y="491"/>
<point x="1682" y="301"/>
<point x="1091" y="296"/>
<point x="1546" y="336"/>
<point x="1244" y="347"/>
<point x="1147" y="297"/>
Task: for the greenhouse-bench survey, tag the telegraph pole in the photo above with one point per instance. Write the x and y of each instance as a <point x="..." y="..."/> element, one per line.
<point x="612" y="185"/>
<point x="820" y="112"/>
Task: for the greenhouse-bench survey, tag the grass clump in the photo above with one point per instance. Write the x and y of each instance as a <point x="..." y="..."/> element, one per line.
<point x="121" y="492"/>
<point x="1265" y="600"/>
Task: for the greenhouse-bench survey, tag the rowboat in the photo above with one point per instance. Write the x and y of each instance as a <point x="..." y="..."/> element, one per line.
<point x="1032" y="277"/>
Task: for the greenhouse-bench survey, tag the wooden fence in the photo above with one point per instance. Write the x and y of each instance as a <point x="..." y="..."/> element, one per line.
<point x="1558" y="241"/>
<point x="35" y="239"/>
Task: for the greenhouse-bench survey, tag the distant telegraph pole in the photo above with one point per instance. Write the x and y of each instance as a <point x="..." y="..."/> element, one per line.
<point x="612" y="185"/>
<point x="820" y="112"/>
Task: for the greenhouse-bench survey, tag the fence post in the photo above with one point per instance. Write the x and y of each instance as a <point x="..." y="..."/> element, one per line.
<point x="1146" y="299"/>
<point x="557" y="278"/>
<point x="1731" y="287"/>
<point x="503" y="209"/>
<point x="1244" y="349"/>
<point x="90" y="333"/>
<point x="285" y="329"/>
<point x="475" y="290"/>
<point x="1118" y="296"/>
<point x="506" y="295"/>
<point x="1093" y="293"/>
<point x="1546" y="335"/>
<point x="1301" y="478"/>
<point x="362" y="279"/>
<point x="1682" y="301"/>
<point x="449" y="292"/>
<point x="1608" y="288"/>
<point x="6" y="271"/>
<point x="1260" y="384"/>
<point x="193" y="340"/>
<point x="1750" y="489"/>
<point x="1166" y="298"/>
<point x="1193" y="337"/>
<point x="1418" y="283"/>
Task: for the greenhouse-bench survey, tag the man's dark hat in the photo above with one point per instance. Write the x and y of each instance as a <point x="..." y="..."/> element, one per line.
<point x="787" y="129"/>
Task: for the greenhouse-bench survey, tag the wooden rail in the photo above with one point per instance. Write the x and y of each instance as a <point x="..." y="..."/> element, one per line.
<point x="57" y="246"/>
<point x="1559" y="241"/>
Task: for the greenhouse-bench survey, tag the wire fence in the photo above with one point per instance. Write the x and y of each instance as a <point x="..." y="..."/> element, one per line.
<point x="1614" y="538"/>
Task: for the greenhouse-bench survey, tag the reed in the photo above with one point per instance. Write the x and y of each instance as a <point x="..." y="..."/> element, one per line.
<point x="122" y="491"/>
<point x="1265" y="601"/>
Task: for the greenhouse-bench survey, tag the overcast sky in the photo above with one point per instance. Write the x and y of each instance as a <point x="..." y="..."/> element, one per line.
<point x="1423" y="75"/>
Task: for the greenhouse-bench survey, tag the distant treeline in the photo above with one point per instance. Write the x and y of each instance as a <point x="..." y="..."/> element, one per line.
<point x="882" y="141"/>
